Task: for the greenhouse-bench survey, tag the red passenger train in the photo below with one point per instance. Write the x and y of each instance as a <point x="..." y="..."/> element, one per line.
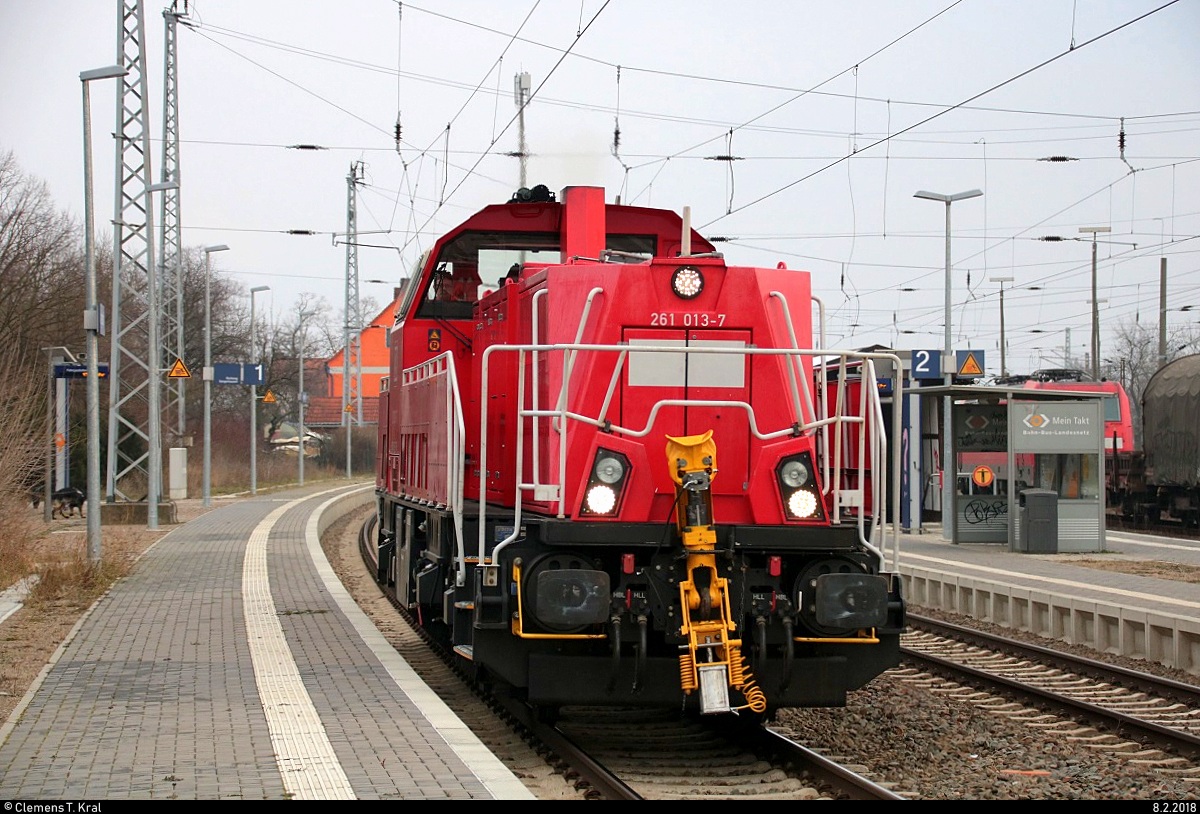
<point x="1118" y="418"/>
<point x="614" y="471"/>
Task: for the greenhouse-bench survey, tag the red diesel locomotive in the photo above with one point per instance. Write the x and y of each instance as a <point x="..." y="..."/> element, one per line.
<point x="614" y="470"/>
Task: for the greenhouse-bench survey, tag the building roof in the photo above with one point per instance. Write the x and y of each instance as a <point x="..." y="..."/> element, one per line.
<point x="326" y="411"/>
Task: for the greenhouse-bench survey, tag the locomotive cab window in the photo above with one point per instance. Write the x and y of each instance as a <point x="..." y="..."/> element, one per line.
<point x="475" y="264"/>
<point x="1112" y="408"/>
<point x="412" y="286"/>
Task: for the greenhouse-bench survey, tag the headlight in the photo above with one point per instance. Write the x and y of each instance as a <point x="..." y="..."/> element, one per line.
<point x="609" y="470"/>
<point x="605" y="484"/>
<point x="601" y="499"/>
<point x="794" y="474"/>
<point x="687" y="282"/>
<point x="798" y="488"/>
<point x="802" y="504"/>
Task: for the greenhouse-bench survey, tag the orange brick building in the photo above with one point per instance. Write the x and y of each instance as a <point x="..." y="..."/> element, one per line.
<point x="325" y="410"/>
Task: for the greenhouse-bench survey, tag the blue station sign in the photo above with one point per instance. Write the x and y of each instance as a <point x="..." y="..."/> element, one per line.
<point x="233" y="373"/>
<point x="76" y="371"/>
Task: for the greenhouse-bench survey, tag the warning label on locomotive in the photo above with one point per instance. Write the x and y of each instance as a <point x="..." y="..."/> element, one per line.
<point x="435" y="340"/>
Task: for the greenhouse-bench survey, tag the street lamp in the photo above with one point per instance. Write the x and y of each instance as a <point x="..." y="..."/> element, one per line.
<point x="301" y="399"/>
<point x="1002" y="281"/>
<point x="92" y="321"/>
<point x="948" y="473"/>
<point x="1092" y="230"/>
<point x="254" y="401"/>
<point x="1096" y="336"/>
<point x="208" y="371"/>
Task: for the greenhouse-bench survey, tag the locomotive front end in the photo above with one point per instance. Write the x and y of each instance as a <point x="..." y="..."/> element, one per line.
<point x="628" y="481"/>
<point x="738" y="588"/>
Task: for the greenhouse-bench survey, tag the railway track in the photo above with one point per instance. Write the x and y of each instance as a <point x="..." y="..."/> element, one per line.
<point x="669" y="757"/>
<point x="1154" y="719"/>
<point x="1115" y="521"/>
<point x="599" y="755"/>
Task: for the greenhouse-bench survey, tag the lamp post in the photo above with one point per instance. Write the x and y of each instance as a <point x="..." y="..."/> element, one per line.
<point x="208" y="370"/>
<point x="948" y="473"/>
<point x="1096" y="336"/>
<point x="254" y="401"/>
<point x="1093" y="230"/>
<point x="93" y="324"/>
<point x="1002" y="281"/>
<point x="301" y="399"/>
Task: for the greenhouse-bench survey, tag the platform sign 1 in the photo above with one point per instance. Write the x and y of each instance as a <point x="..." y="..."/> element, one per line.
<point x="238" y="374"/>
<point x="927" y="364"/>
<point x="227" y="374"/>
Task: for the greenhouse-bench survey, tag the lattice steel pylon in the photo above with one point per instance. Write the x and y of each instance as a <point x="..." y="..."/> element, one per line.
<point x="170" y="269"/>
<point x="352" y="348"/>
<point x="352" y="363"/>
<point x="132" y="398"/>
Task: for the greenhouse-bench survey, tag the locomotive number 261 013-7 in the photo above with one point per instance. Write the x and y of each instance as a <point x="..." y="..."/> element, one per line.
<point x="687" y="319"/>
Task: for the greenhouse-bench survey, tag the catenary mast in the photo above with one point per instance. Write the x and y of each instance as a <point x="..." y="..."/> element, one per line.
<point x="352" y="354"/>
<point x="133" y="401"/>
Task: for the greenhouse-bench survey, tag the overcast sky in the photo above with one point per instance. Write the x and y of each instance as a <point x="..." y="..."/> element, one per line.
<point x="835" y="114"/>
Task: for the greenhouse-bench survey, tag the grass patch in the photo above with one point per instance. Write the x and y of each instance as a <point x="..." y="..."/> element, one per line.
<point x="74" y="581"/>
<point x="17" y="543"/>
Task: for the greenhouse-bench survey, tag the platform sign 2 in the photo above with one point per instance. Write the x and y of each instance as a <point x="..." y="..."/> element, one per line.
<point x="927" y="364"/>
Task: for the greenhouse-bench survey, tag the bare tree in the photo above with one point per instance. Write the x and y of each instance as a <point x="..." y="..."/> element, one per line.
<point x="1133" y="359"/>
<point x="302" y="333"/>
<point x="41" y="268"/>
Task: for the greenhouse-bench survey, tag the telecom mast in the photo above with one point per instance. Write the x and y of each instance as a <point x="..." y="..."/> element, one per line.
<point x="352" y="355"/>
<point x="133" y="413"/>
<point x="170" y="270"/>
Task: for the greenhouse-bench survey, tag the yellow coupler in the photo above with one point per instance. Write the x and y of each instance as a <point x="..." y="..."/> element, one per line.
<point x="704" y="597"/>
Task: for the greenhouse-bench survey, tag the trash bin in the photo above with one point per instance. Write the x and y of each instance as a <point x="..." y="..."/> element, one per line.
<point x="1038" y="519"/>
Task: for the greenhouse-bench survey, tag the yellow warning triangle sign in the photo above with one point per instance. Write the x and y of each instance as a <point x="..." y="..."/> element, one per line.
<point x="970" y="367"/>
<point x="349" y="408"/>
<point x="268" y="397"/>
<point x="179" y="370"/>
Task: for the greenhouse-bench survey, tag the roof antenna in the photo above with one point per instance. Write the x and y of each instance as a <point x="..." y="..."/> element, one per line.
<point x="685" y="244"/>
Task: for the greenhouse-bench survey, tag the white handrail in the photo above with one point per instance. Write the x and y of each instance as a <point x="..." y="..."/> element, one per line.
<point x="561" y="415"/>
